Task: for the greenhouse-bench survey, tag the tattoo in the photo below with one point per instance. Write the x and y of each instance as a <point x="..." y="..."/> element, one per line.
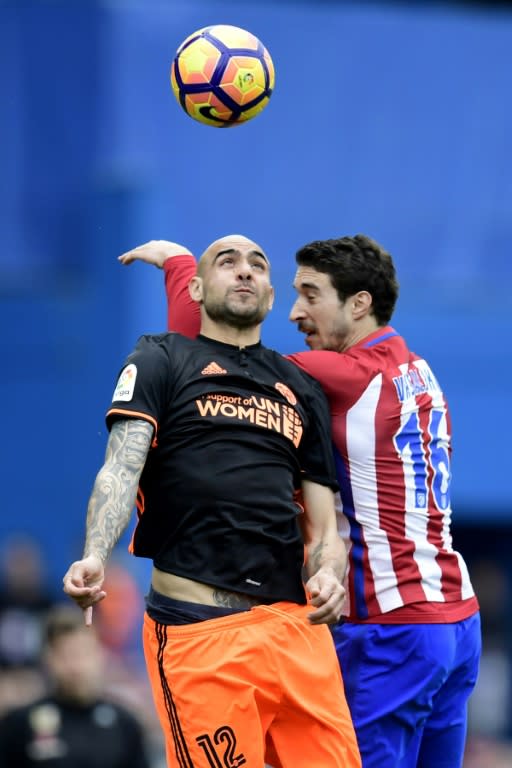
<point x="113" y="496"/>
<point x="235" y="600"/>
<point x="318" y="558"/>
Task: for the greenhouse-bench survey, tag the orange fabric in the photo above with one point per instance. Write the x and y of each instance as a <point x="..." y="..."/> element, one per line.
<point x="254" y="687"/>
<point x="140" y="504"/>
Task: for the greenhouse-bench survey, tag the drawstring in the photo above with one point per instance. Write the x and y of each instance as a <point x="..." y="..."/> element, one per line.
<point x="296" y="621"/>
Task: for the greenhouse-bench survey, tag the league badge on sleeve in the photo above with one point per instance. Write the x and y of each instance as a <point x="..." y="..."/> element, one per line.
<point x="126" y="384"/>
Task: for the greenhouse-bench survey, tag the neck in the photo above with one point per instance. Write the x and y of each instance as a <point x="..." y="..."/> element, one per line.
<point x="238" y="337"/>
<point x="360" y="333"/>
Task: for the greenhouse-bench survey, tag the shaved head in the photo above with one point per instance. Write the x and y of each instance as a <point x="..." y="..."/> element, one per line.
<point x="225" y="244"/>
<point x="232" y="284"/>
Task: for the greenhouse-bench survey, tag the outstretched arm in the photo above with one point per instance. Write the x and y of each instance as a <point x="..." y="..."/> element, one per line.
<point x="109" y="510"/>
<point x="183" y="314"/>
<point x="154" y="252"/>
<point x="326" y="558"/>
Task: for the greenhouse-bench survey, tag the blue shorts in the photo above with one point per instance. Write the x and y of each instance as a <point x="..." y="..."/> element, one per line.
<point x="407" y="687"/>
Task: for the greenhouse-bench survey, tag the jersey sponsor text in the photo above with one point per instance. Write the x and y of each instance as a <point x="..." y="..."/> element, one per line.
<point x="260" y="411"/>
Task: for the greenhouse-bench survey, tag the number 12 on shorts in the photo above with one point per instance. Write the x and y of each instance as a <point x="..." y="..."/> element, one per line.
<point x="223" y="740"/>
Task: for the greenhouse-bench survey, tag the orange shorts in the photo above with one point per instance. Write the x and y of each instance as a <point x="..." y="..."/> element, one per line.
<point x="262" y="686"/>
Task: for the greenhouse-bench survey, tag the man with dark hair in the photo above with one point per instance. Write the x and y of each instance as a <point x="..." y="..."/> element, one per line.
<point x="410" y="643"/>
<point x="75" y="725"/>
<point x="212" y="437"/>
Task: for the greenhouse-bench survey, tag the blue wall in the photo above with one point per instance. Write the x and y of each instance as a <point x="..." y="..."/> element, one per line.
<point x="386" y="119"/>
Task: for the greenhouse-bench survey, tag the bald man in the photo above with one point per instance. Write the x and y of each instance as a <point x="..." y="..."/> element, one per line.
<point x="213" y="438"/>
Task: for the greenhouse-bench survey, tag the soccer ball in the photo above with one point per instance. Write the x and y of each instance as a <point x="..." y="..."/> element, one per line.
<point x="222" y="76"/>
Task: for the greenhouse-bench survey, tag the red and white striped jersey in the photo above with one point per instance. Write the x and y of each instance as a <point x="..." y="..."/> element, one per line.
<point x="392" y="446"/>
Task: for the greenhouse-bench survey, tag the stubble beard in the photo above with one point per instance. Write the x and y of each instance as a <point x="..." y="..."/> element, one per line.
<point x="235" y="315"/>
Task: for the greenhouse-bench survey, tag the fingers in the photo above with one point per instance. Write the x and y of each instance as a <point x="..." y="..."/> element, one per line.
<point x="83" y="583"/>
<point x="85" y="597"/>
<point x="140" y="254"/>
<point x="126" y="258"/>
<point x="329" y="613"/>
<point x="327" y="597"/>
<point x="154" y="252"/>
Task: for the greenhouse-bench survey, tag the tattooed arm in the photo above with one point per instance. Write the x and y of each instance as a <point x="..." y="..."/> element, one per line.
<point x="326" y="557"/>
<point x="109" y="509"/>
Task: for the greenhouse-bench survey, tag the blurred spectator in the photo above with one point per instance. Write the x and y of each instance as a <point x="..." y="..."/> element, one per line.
<point x="75" y="725"/>
<point x="487" y="753"/>
<point x="490" y="708"/>
<point x="118" y="623"/>
<point x="25" y="597"/>
<point x="118" y="619"/>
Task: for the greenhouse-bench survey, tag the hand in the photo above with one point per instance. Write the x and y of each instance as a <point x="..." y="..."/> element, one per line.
<point x="83" y="583"/>
<point x="155" y="252"/>
<point x="327" y="594"/>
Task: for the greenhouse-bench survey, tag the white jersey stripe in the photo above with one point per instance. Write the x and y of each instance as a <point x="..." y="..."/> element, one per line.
<point x="361" y="457"/>
<point x="392" y="436"/>
<point x="416" y="516"/>
<point x="466" y="587"/>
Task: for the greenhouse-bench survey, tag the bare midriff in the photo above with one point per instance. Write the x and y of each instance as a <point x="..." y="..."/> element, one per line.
<point x="180" y="588"/>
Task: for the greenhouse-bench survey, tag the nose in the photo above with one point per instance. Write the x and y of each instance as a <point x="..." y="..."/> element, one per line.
<point x="296" y="312"/>
<point x="244" y="271"/>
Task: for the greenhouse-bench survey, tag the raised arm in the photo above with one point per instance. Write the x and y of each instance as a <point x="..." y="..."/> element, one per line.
<point x="326" y="557"/>
<point x="179" y="265"/>
<point x="109" y="510"/>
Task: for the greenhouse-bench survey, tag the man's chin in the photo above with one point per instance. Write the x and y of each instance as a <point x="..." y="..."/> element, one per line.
<point x="312" y="343"/>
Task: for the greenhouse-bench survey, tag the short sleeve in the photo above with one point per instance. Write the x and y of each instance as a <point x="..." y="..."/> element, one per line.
<point x="316" y="452"/>
<point x="143" y="383"/>
<point x="341" y="375"/>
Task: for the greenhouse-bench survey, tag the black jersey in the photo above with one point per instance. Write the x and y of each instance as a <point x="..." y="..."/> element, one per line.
<point x="236" y="429"/>
<point x="54" y="732"/>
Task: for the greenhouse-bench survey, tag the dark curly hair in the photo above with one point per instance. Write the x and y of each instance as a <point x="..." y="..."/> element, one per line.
<point x="355" y="264"/>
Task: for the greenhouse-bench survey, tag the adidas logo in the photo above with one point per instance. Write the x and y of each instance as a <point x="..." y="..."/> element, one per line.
<point x="212" y="368"/>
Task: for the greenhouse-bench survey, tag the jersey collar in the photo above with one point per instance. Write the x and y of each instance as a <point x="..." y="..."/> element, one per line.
<point x="381" y="334"/>
<point x="223" y="345"/>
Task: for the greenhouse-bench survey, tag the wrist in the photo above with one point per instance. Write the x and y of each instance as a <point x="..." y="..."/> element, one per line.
<point x="331" y="568"/>
<point x="94" y="554"/>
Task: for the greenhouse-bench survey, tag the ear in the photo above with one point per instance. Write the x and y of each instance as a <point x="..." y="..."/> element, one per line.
<point x="361" y="304"/>
<point x="271" y="298"/>
<point x="195" y="289"/>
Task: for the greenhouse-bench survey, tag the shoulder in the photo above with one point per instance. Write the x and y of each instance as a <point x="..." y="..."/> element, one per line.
<point x="20" y="714"/>
<point x="286" y="367"/>
<point x="304" y="385"/>
<point x="155" y="342"/>
<point x="158" y="349"/>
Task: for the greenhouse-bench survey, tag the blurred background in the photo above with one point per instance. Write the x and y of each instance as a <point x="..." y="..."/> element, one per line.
<point x="388" y="118"/>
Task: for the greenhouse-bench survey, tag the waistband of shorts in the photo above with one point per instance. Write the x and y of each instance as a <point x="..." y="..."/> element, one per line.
<point x="167" y="610"/>
<point x="256" y="615"/>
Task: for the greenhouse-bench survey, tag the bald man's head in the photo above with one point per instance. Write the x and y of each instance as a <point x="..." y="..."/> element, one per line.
<point x="234" y="243"/>
<point x="233" y="282"/>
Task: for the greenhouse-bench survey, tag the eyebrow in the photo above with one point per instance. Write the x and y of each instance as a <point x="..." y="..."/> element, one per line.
<point x="304" y="285"/>
<point x="235" y="251"/>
